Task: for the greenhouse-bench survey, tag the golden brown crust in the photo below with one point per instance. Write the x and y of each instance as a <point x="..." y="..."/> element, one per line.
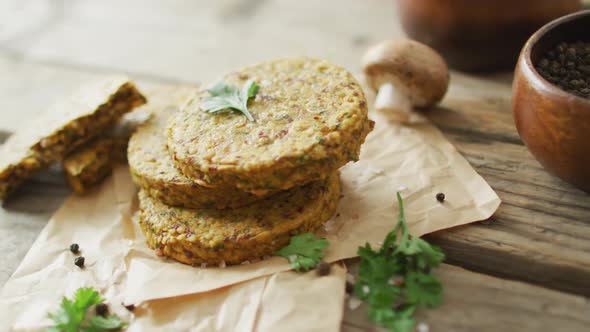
<point x="153" y="170"/>
<point x="310" y="119"/>
<point x="233" y="236"/>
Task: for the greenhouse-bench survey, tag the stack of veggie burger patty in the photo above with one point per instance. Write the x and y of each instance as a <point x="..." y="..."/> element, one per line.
<point x="233" y="183"/>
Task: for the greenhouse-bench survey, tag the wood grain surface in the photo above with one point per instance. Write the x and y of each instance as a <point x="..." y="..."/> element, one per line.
<point x="540" y="235"/>
<point x="477" y="302"/>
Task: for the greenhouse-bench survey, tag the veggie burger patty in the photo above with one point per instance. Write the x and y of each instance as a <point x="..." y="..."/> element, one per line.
<point x="310" y="118"/>
<point x="153" y="170"/>
<point x="212" y="236"/>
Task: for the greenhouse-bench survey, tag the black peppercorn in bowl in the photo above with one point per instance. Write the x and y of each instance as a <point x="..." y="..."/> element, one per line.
<point x="550" y="104"/>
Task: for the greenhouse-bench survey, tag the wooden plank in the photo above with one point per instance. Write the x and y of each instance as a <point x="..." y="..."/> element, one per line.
<point x="540" y="233"/>
<point x="199" y="40"/>
<point x="476" y="302"/>
<point x="24" y="215"/>
<point x="27" y="89"/>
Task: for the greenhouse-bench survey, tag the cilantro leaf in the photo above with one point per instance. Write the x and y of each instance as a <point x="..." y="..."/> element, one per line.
<point x="249" y="90"/>
<point x="224" y="97"/>
<point x="304" y="251"/>
<point x="86" y="297"/>
<point x="220" y="89"/>
<point x="70" y="317"/>
<point x="395" y="279"/>
<point x="423" y="288"/>
<point x="430" y="256"/>
<point x="99" y="324"/>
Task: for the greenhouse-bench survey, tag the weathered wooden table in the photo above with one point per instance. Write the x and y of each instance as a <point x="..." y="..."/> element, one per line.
<point x="525" y="269"/>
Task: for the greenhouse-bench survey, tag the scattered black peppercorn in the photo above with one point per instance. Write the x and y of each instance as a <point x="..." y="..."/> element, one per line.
<point x="102" y="309"/>
<point x="440" y="197"/>
<point x="74" y="248"/>
<point x="130" y="307"/>
<point x="79" y="261"/>
<point x="398" y="304"/>
<point x="349" y="287"/>
<point x="323" y="269"/>
<point x="567" y="65"/>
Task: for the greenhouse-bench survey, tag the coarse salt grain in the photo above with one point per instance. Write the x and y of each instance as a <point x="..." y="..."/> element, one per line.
<point x="350" y="278"/>
<point x="329" y="225"/>
<point x="203" y="265"/>
<point x="292" y="258"/>
<point x="354" y="303"/>
<point x="366" y="289"/>
<point x="422" y="327"/>
<point x="401" y="188"/>
<point x="222" y="264"/>
<point x="245" y="263"/>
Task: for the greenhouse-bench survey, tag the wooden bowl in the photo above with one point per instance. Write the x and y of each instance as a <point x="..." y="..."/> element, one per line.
<point x="554" y="124"/>
<point x="479" y="35"/>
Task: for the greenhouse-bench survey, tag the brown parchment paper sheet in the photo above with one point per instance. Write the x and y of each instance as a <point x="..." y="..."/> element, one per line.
<point x="286" y="301"/>
<point x="417" y="161"/>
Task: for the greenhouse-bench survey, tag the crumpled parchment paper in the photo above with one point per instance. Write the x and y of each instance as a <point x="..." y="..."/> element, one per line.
<point x="417" y="161"/>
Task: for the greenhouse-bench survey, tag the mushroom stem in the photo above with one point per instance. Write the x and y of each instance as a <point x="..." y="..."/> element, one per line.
<point x="391" y="100"/>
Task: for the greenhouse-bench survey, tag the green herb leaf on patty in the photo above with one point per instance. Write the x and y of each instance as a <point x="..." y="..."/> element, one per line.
<point x="396" y="278"/>
<point x="71" y="316"/>
<point x="224" y="97"/>
<point x="304" y="251"/>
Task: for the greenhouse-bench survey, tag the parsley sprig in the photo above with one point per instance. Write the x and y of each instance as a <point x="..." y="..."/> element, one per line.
<point x="304" y="251"/>
<point x="395" y="279"/>
<point x="225" y="97"/>
<point x="71" y="316"/>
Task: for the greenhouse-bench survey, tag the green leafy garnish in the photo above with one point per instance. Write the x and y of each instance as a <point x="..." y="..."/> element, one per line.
<point x="395" y="279"/>
<point x="304" y="251"/>
<point x="71" y="316"/>
<point x="224" y="97"/>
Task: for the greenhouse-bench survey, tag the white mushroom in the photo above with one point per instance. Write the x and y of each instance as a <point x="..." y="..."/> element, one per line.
<point x="406" y="75"/>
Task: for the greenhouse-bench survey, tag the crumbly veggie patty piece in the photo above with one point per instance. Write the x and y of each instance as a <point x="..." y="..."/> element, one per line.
<point x="64" y="127"/>
<point x="310" y="118"/>
<point x="154" y="171"/>
<point x="89" y="164"/>
<point x="212" y="236"/>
